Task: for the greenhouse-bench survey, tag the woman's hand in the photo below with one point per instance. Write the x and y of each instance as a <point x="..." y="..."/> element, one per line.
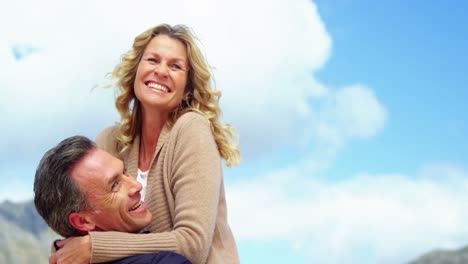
<point x="72" y="250"/>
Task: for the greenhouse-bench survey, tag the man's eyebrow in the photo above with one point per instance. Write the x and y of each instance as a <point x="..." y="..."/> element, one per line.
<point x="113" y="179"/>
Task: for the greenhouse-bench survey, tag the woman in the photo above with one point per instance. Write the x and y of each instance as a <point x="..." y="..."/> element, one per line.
<point x="171" y="132"/>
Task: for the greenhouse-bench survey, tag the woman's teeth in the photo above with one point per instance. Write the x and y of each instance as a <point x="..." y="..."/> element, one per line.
<point x="157" y="87"/>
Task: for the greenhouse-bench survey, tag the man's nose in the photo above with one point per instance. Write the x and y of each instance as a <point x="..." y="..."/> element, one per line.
<point x="134" y="186"/>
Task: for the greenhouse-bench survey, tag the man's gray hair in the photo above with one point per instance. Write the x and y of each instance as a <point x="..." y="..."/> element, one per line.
<point x="56" y="195"/>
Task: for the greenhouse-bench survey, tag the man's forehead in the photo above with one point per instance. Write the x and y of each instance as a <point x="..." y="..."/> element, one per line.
<point x="96" y="164"/>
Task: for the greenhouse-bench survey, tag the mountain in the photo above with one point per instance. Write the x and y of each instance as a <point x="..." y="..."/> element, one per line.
<point x="25" y="237"/>
<point x="459" y="256"/>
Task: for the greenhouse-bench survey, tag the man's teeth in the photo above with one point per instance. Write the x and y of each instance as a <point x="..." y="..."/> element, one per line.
<point x="158" y="87"/>
<point x="136" y="206"/>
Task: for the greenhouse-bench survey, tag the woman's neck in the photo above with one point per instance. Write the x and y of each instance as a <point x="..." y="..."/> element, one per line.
<point x="152" y="124"/>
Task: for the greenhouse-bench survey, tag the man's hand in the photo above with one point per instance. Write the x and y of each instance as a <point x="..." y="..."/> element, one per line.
<point x="72" y="250"/>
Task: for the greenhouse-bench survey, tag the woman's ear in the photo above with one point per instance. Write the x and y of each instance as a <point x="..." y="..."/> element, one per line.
<point x="82" y="221"/>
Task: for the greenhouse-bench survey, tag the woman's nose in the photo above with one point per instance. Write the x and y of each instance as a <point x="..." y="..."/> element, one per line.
<point x="161" y="70"/>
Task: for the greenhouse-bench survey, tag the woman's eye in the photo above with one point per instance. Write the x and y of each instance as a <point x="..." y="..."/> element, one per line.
<point x="153" y="60"/>
<point x="176" y="67"/>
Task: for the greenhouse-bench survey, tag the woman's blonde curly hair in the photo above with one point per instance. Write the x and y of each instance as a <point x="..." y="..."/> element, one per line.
<point x="199" y="96"/>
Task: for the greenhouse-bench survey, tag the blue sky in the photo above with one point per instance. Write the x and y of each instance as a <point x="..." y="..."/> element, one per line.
<point x="412" y="54"/>
<point x="351" y="114"/>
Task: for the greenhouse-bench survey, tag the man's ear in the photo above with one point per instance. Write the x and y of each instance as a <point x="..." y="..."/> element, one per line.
<point x="82" y="221"/>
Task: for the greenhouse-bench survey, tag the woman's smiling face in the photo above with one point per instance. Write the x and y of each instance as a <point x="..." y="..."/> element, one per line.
<point x="162" y="73"/>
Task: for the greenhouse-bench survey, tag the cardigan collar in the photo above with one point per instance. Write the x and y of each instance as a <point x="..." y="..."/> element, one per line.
<point x="131" y="160"/>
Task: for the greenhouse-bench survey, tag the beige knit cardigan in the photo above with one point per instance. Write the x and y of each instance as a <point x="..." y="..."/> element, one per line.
<point x="185" y="194"/>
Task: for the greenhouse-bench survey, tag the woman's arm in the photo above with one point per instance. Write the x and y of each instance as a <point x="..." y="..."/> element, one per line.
<point x="194" y="167"/>
<point x="78" y="250"/>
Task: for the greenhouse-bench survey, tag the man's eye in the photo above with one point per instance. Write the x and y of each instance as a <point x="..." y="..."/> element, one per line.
<point x="116" y="186"/>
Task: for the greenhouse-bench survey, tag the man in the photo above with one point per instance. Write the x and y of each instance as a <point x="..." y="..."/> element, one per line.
<point x="79" y="188"/>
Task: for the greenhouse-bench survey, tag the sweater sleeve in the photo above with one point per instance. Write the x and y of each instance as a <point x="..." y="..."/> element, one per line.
<point x="194" y="171"/>
<point x="111" y="245"/>
<point x="196" y="183"/>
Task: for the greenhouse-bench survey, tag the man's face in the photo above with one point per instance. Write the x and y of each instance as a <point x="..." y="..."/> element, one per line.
<point x="113" y="196"/>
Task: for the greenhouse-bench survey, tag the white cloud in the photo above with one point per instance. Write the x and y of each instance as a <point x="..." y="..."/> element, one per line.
<point x="386" y="218"/>
<point x="263" y="59"/>
<point x="358" y="112"/>
<point x="335" y="117"/>
<point x="5" y="53"/>
<point x="350" y="112"/>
